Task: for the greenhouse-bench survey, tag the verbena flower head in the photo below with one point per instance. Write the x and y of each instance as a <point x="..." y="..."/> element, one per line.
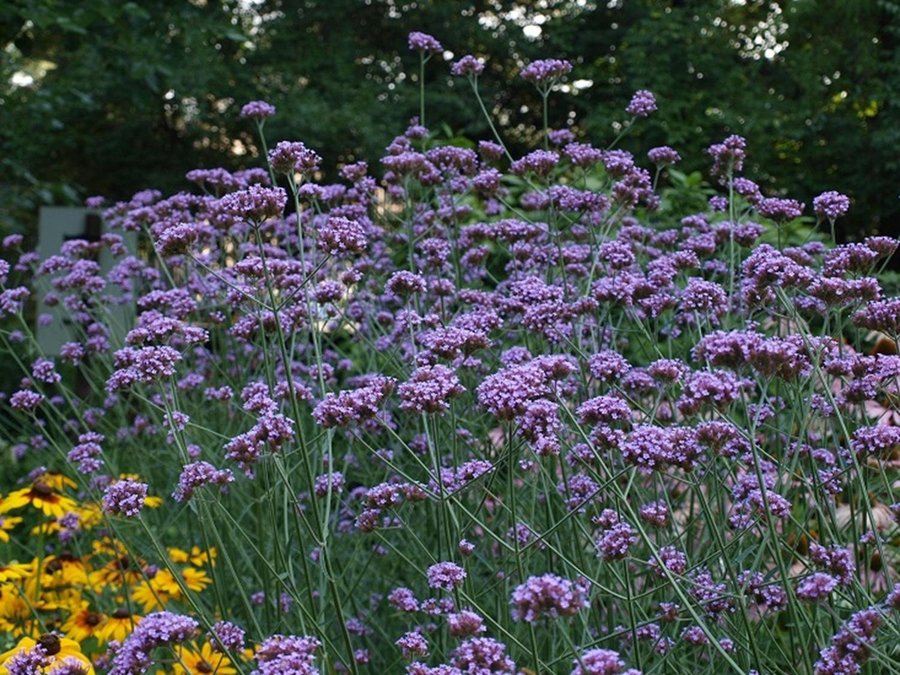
<point x="446" y="575"/>
<point x="354" y="405"/>
<point x="598" y="662"/>
<point x="429" y="389"/>
<point x="341" y="236"/>
<point x="540" y="162"/>
<point x="257" y="110"/>
<point x="547" y="595"/>
<point x="728" y="155"/>
<point x="425" y="43"/>
<point x="289" y="157"/>
<point x="281" y="654"/>
<point x="229" y="635"/>
<point x="546" y="72"/>
<point x="642" y="104"/>
<point x="482" y="655"/>
<point x="831" y="205"/>
<point x="196" y="475"/>
<point x="816" y="587"/>
<point x="468" y="65"/>
<point x="413" y="644"/>
<point x="125" y="497"/>
<point x="663" y="155"/>
<point x="135" y="655"/>
<point x="781" y="210"/>
<point x="255" y="204"/>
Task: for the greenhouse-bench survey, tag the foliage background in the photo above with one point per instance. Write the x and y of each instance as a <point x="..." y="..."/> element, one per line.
<point x="109" y="97"/>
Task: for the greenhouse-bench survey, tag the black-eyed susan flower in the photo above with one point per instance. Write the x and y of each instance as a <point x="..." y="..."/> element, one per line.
<point x="121" y="571"/>
<point x="64" y="570"/>
<point x="82" y="624"/>
<point x="195" y="579"/>
<point x="41" y="495"/>
<point x="154" y="594"/>
<point x="117" y="626"/>
<point x="202" y="661"/>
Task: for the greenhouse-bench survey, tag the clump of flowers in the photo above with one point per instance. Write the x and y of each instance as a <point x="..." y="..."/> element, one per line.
<point x="534" y="364"/>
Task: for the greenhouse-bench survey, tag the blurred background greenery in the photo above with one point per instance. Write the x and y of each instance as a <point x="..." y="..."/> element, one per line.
<point x="109" y="97"/>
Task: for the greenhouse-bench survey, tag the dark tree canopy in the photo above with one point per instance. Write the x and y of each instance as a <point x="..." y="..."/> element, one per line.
<point x="109" y="97"/>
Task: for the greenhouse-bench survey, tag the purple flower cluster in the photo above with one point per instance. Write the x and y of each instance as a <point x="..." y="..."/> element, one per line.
<point x="598" y="662"/>
<point x="549" y="596"/>
<point x="642" y="104"/>
<point x="354" y="406"/>
<point x="135" y="655"/>
<point x="288" y="157"/>
<point x="446" y="575"/>
<point x="340" y="236"/>
<point x="507" y="393"/>
<point x="198" y="474"/>
<point x="468" y="65"/>
<point x="482" y="655"/>
<point x="145" y="365"/>
<point x="729" y="155"/>
<point x="125" y="497"/>
<point x="849" y="648"/>
<point x="663" y="155"/>
<point x="282" y="654"/>
<point x="538" y="162"/>
<point x="425" y="43"/>
<point x="831" y="205"/>
<point x="257" y="110"/>
<point x="546" y="72"/>
<point x="429" y="389"/>
<point x="87" y="454"/>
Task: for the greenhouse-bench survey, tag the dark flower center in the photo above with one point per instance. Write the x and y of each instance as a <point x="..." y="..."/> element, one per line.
<point x="41" y="490"/>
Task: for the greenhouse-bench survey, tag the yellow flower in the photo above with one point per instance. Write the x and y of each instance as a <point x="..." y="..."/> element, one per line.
<point x="64" y="570"/>
<point x="14" y="571"/>
<point x="157" y="592"/>
<point x="121" y="571"/>
<point x="117" y="626"/>
<point x="58" y="481"/>
<point x="12" y="606"/>
<point x="195" y="579"/>
<point x="197" y="556"/>
<point x="42" y="496"/>
<point x="58" y="649"/>
<point x="82" y="624"/>
<point x="6" y="524"/>
<point x="89" y="516"/>
<point x="202" y="661"/>
<point x="108" y="546"/>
